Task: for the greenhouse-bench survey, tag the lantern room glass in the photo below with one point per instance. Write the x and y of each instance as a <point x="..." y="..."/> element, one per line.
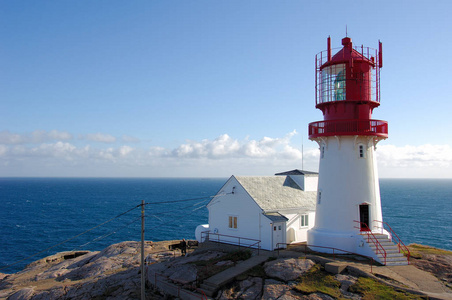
<point x="333" y="83"/>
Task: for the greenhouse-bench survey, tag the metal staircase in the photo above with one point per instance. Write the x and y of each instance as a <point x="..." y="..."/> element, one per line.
<point x="393" y="256"/>
<point x="389" y="248"/>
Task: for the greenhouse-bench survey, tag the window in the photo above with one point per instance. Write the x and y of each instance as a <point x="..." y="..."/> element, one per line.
<point x="232" y="222"/>
<point x="319" y="197"/>
<point x="361" y="151"/>
<point x="304" y="220"/>
<point x="333" y="83"/>
<point x="322" y="151"/>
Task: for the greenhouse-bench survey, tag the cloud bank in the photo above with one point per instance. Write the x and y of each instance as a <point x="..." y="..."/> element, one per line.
<point x="57" y="153"/>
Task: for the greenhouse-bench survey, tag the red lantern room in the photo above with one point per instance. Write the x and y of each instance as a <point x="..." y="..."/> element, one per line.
<point x="347" y="91"/>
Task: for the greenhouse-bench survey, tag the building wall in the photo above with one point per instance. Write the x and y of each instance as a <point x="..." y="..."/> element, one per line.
<point x="250" y="221"/>
<point x="295" y="232"/>
<point x="311" y="183"/>
<point x="345" y="181"/>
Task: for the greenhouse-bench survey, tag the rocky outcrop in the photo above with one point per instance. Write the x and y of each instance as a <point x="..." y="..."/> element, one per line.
<point x="288" y="269"/>
<point x="114" y="273"/>
<point x="439" y="264"/>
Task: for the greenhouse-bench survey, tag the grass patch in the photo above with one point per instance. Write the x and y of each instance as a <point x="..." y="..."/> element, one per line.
<point x="318" y="280"/>
<point x="417" y="251"/>
<point x="371" y="289"/>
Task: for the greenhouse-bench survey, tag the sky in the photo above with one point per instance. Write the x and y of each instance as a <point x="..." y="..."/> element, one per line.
<point x="210" y="88"/>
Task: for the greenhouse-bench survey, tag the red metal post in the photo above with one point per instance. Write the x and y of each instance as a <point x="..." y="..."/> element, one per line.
<point x="329" y="48"/>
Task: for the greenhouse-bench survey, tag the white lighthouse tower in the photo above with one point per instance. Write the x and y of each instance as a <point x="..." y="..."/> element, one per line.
<point x="348" y="210"/>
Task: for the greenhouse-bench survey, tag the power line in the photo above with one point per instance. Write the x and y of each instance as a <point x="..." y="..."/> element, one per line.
<point x="175" y="201"/>
<point x="69" y="239"/>
<point x="108" y="221"/>
<point x="107" y="235"/>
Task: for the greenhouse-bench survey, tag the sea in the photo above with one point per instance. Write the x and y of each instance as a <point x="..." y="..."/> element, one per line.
<point x="42" y="216"/>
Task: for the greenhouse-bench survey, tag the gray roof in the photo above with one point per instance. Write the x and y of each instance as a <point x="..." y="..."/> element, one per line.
<point x="298" y="172"/>
<point x="276" y="217"/>
<point x="277" y="192"/>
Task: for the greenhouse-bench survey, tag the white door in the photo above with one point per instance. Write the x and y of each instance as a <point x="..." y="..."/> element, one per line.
<point x="278" y="235"/>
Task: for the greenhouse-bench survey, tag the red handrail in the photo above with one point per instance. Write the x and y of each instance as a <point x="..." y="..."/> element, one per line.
<point x="371" y="237"/>
<point x="348" y="127"/>
<point x="400" y="244"/>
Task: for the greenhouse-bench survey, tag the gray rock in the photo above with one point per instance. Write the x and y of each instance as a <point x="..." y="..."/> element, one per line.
<point x="225" y="263"/>
<point x="274" y="289"/>
<point x="251" y="288"/>
<point x="183" y="274"/>
<point x="288" y="269"/>
<point x="23" y="294"/>
<point x="347" y="281"/>
<point x="55" y="293"/>
<point x="319" y="296"/>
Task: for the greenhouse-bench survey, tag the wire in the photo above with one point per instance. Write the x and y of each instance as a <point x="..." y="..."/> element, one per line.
<point x="170" y="211"/>
<point x="108" y="221"/>
<point x="169" y="221"/>
<point x="108" y="234"/>
<point x="69" y="239"/>
<point x="175" y="201"/>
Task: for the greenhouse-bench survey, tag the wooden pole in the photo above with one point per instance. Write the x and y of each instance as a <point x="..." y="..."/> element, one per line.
<point x="143" y="283"/>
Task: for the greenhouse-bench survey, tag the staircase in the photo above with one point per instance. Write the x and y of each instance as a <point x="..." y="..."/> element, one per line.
<point x="393" y="255"/>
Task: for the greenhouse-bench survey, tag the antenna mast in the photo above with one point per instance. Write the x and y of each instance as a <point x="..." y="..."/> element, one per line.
<point x="302" y="154"/>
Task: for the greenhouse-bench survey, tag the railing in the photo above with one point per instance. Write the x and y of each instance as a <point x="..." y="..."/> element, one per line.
<point x="161" y="282"/>
<point x="348" y="127"/>
<point x="230" y="239"/>
<point x="324" y="91"/>
<point x="371" y="238"/>
<point x="306" y="246"/>
<point x="399" y="242"/>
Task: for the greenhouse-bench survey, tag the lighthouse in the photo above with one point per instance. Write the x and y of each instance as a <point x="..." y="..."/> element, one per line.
<point x="348" y="208"/>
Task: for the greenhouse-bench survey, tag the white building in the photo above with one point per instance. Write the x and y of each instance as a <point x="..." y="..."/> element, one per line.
<point x="274" y="210"/>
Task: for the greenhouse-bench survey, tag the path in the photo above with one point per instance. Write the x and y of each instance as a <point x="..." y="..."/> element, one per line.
<point x="214" y="283"/>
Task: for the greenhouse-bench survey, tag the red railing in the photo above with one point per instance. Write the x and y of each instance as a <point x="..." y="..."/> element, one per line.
<point x="348" y="127"/>
<point x="324" y="90"/>
<point x="230" y="239"/>
<point x="399" y="242"/>
<point x="372" y="238"/>
<point x="371" y="259"/>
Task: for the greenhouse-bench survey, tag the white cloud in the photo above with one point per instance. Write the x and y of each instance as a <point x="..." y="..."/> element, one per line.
<point x="129" y="139"/>
<point x="415" y="161"/>
<point x="35" y="137"/>
<point x="99" y="137"/>
<point x="226" y="147"/>
<point x="222" y="156"/>
<point x="9" y="138"/>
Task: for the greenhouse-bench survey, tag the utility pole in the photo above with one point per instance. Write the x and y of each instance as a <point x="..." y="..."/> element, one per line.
<point x="143" y="283"/>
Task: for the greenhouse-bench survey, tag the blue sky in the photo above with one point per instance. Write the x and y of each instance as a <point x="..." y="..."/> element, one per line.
<point x="209" y="88"/>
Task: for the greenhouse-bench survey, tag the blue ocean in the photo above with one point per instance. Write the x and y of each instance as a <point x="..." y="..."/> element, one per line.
<point x="42" y="216"/>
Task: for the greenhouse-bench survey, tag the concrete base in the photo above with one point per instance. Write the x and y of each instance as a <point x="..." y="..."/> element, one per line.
<point x="326" y="239"/>
<point x="349" y="242"/>
<point x="335" y="267"/>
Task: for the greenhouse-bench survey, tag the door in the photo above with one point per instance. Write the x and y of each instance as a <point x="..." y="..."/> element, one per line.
<point x="278" y="235"/>
<point x="364" y="217"/>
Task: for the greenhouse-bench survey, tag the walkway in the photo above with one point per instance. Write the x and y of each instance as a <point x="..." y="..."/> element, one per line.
<point x="411" y="277"/>
<point x="214" y="283"/>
